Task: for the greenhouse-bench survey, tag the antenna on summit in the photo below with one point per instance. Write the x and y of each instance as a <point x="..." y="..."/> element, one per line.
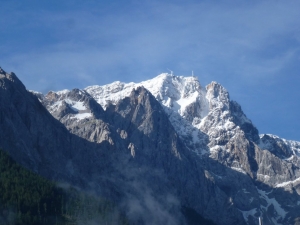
<point x="171" y="72"/>
<point x="192" y="73"/>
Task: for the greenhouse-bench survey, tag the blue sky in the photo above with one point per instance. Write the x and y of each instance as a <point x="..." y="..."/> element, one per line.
<point x="250" y="47"/>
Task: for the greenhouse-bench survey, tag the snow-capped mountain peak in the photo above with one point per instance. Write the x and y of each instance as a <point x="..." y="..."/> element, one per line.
<point x="198" y="114"/>
<point x="183" y="98"/>
<point x="175" y="92"/>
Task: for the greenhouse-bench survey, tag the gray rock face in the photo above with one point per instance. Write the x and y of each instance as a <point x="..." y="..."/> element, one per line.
<point x="37" y="140"/>
<point x="80" y="113"/>
<point x="136" y="153"/>
<point x="277" y="146"/>
<point x="234" y="142"/>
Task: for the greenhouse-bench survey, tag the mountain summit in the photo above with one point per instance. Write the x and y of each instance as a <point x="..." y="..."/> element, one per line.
<point x="165" y="150"/>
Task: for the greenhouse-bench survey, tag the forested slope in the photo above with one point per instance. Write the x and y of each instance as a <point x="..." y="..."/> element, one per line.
<point x="27" y="198"/>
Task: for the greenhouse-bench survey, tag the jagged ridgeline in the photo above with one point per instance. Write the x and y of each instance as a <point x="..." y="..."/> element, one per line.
<point x="27" y="198"/>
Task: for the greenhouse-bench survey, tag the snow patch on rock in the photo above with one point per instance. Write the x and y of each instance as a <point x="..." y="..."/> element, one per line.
<point x="248" y="213"/>
<point x="293" y="182"/>
<point x="81" y="116"/>
<point x="281" y="213"/>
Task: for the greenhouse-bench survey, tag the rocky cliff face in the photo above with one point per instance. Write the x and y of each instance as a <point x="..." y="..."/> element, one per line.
<point x="154" y="147"/>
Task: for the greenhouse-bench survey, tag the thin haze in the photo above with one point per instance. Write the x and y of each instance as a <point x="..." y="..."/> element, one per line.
<point x="250" y="47"/>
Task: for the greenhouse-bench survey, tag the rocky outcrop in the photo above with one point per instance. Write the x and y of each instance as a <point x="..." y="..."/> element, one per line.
<point x="276" y="145"/>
